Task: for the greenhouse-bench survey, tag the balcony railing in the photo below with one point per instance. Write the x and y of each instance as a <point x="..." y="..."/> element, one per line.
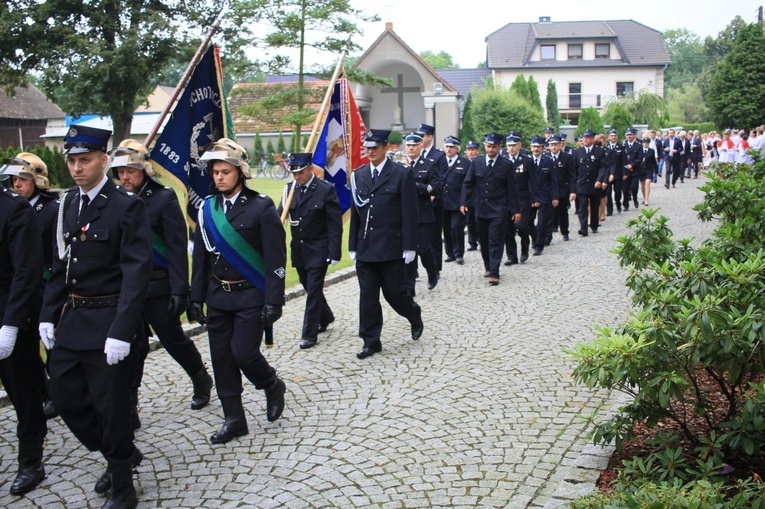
<point x="579" y="101"/>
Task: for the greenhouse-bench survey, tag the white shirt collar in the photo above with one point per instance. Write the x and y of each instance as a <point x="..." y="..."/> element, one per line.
<point x="34" y="199"/>
<point x="232" y="198"/>
<point x="94" y="192"/>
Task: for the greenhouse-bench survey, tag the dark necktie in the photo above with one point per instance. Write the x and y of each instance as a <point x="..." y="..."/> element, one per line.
<point x="375" y="174"/>
<point x="85" y="200"/>
<point x="302" y="189"/>
<point x="536" y="163"/>
<point x="228" y="205"/>
<point x="490" y="164"/>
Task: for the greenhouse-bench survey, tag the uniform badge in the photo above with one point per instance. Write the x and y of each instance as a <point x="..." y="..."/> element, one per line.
<point x="280" y="272"/>
<point x="520" y="169"/>
<point x="72" y="132"/>
<point x="592" y="157"/>
<point x="84" y="229"/>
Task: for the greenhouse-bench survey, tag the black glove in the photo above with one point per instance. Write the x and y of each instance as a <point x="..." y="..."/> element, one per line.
<point x="270" y="314"/>
<point x="177" y="305"/>
<point x="196" y="313"/>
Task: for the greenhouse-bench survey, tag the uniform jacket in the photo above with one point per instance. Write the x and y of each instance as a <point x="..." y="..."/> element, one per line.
<point x="426" y="175"/>
<point x="316" y="224"/>
<point x="590" y="169"/>
<point x="46" y="209"/>
<point x="491" y="192"/>
<point x="21" y="259"/>
<point x="631" y="156"/>
<point x="438" y="158"/>
<point x="384" y="221"/>
<point x="526" y="180"/>
<point x="648" y="164"/>
<point x="255" y="219"/>
<point x="167" y="221"/>
<point x="547" y="183"/>
<point x="617" y="160"/>
<point x="455" y="176"/>
<point x="564" y="175"/>
<point x="110" y="255"/>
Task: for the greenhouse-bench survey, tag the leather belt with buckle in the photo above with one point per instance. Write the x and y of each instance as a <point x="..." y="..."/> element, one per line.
<point x="230" y="286"/>
<point x="102" y="301"/>
<point x="159" y="274"/>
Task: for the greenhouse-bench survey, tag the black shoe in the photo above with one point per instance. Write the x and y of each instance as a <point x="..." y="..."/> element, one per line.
<point x="582" y="233"/>
<point x="524" y="257"/>
<point x="548" y="241"/>
<point x="636" y="204"/>
<point x="104" y="483"/>
<point x="417" y="328"/>
<point x="626" y="208"/>
<point x="537" y="252"/>
<point x="449" y="259"/>
<point x="594" y="230"/>
<point x="460" y="261"/>
<point x="275" y="399"/>
<point x="619" y="210"/>
<point x="305" y="344"/>
<point x="609" y="214"/>
<point x="565" y="238"/>
<point x="202" y="383"/>
<point x="369" y="351"/>
<point x="323" y="326"/>
<point x="49" y="410"/>
<point x="27" y="479"/>
<point x="433" y="281"/>
<point x="123" y="495"/>
<point x="234" y="424"/>
<point x="511" y="262"/>
<point x="472" y="248"/>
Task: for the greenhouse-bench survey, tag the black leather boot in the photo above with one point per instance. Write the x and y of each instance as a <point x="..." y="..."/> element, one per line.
<point x="235" y="423"/>
<point x="275" y="399"/>
<point x="203" y="384"/>
<point x="28" y="477"/>
<point x="123" y="495"/>
<point x="104" y="483"/>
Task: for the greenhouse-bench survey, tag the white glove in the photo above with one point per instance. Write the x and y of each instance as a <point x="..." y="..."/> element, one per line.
<point x="8" y="335"/>
<point x="116" y="350"/>
<point x="332" y="262"/>
<point x="47" y="335"/>
<point x="352" y="254"/>
<point x="409" y="256"/>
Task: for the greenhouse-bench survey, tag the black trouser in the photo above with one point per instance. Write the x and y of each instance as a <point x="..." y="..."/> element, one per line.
<point x="614" y="193"/>
<point x="235" y="338"/>
<point x="425" y="253"/>
<point x="437" y="242"/>
<point x="387" y="276"/>
<point x="630" y="189"/>
<point x="317" y="311"/>
<point x="23" y="378"/>
<point x="93" y="398"/>
<point x="593" y="200"/>
<point x="560" y="217"/>
<point x="454" y="225"/>
<point x="491" y="232"/>
<point x="677" y="170"/>
<point x="524" y="227"/>
<point x="544" y="219"/>
<point x="472" y="227"/>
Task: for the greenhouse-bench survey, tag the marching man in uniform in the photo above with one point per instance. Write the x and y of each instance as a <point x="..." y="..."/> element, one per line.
<point x="238" y="270"/>
<point x="317" y="232"/>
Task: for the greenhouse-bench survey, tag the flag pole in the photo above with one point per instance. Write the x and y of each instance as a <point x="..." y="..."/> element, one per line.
<point x="319" y="118"/>
<point x="185" y="77"/>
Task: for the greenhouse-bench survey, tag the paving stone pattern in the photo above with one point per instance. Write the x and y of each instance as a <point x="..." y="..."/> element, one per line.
<point x="482" y="411"/>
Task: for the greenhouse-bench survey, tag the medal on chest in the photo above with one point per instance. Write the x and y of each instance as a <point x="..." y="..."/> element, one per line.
<point x="83" y="230"/>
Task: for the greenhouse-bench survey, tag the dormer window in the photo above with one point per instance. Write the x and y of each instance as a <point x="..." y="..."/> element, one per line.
<point x="575" y="52"/>
<point x="602" y="50"/>
<point x="547" y="51"/>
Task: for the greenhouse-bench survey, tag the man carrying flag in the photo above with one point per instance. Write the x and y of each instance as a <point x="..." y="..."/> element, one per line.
<point x="238" y="270"/>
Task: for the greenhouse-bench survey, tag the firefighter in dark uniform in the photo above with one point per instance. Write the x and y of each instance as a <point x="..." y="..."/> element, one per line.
<point x="490" y="187"/>
<point x="238" y="270"/>
<point x="563" y="165"/>
<point x="591" y="175"/>
<point x="472" y="150"/>
<point x="526" y="182"/>
<point x="29" y="178"/>
<point x="95" y="295"/>
<point x="438" y="158"/>
<point x="615" y="153"/>
<point x="168" y="295"/>
<point x="317" y="229"/>
<point x="631" y="162"/>
<point x="429" y="187"/>
<point x="565" y="148"/>
<point x="454" y="242"/>
<point x="383" y="240"/>
<point x="547" y="186"/>
<point x="21" y="369"/>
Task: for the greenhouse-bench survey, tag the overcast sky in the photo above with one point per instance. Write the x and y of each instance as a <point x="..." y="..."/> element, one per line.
<point x="461" y="31"/>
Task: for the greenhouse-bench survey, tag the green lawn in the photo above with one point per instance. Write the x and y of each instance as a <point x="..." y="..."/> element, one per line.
<point x="274" y="189"/>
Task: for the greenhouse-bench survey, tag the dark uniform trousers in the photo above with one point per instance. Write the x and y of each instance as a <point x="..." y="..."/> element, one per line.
<point x="472" y="227"/>
<point x="560" y="217"/>
<point x="112" y="255"/>
<point x="425" y="254"/>
<point x="491" y="233"/>
<point x="170" y="333"/>
<point x="525" y="230"/>
<point x="234" y="322"/>
<point x="593" y="202"/>
<point x="544" y="220"/>
<point x="317" y="311"/>
<point x="454" y="223"/>
<point x="22" y="373"/>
